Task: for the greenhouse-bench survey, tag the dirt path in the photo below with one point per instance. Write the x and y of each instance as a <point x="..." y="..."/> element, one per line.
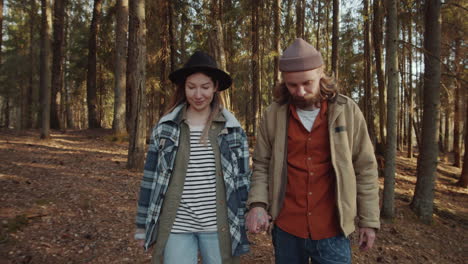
<point x="71" y="200"/>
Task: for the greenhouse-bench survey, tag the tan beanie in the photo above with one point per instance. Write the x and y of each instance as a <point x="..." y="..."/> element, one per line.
<point x="300" y="56"/>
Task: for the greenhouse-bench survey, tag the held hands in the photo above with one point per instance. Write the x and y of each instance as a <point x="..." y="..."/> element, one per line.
<point x="366" y="238"/>
<point x="258" y="220"/>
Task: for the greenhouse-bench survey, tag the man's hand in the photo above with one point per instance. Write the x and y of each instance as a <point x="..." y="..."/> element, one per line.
<point x="258" y="220"/>
<point x="366" y="238"/>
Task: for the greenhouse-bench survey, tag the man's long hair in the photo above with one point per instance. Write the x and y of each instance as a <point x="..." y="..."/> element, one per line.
<point x="328" y="90"/>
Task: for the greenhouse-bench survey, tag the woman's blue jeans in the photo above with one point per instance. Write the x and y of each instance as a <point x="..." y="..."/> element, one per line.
<point x="290" y="249"/>
<point x="184" y="248"/>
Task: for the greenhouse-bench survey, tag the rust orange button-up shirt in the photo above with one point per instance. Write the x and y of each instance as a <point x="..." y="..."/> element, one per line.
<point x="309" y="208"/>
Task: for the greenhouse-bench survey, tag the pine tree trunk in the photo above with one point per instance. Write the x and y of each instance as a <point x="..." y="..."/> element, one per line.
<point x="164" y="60"/>
<point x="57" y="63"/>
<point x="137" y="80"/>
<point x="120" y="69"/>
<point x="317" y="32"/>
<point x="91" y="89"/>
<point x="377" y="43"/>
<point x="388" y="207"/>
<point x="368" y="109"/>
<point x="217" y="43"/>
<point x="255" y="65"/>
<point x="457" y="119"/>
<point x="410" y="89"/>
<point x="463" y="181"/>
<point x="300" y="16"/>
<point x="335" y="37"/>
<point x="422" y="203"/>
<point x="172" y="41"/>
<point x="276" y="40"/>
<point x="70" y="121"/>
<point x="45" y="78"/>
<point x="30" y="102"/>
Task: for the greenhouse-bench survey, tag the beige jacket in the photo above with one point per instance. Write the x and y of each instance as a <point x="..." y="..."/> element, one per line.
<point x="352" y="156"/>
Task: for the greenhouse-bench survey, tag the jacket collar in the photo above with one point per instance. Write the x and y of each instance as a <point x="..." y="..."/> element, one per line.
<point x="335" y="108"/>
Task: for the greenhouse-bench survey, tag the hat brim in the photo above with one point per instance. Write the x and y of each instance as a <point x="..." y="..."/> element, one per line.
<point x="225" y="81"/>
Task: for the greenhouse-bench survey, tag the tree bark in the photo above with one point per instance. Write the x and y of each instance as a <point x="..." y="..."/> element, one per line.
<point x="276" y="40"/>
<point x="422" y="203"/>
<point x="300" y="18"/>
<point x="457" y="119"/>
<point x="172" y="41"/>
<point x="388" y="207"/>
<point x="463" y="181"/>
<point x="217" y="43"/>
<point x="120" y="69"/>
<point x="137" y="80"/>
<point x="164" y="59"/>
<point x="410" y="89"/>
<point x="91" y="89"/>
<point x="57" y="64"/>
<point x="368" y="109"/>
<point x="31" y="103"/>
<point x="255" y="65"/>
<point x="45" y="78"/>
<point x="317" y="32"/>
<point x="377" y="43"/>
<point x="335" y="37"/>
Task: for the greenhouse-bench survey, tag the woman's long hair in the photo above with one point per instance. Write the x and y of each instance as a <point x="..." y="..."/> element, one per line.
<point x="328" y="90"/>
<point x="179" y="98"/>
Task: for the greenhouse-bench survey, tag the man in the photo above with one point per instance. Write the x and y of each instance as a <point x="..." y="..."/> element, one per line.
<point x="314" y="167"/>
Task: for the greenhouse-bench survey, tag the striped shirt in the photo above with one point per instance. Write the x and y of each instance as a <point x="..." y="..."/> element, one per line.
<point x="197" y="209"/>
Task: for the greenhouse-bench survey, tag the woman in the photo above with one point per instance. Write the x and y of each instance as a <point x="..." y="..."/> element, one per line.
<point x="196" y="177"/>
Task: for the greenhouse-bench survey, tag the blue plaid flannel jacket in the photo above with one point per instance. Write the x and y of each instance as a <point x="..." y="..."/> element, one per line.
<point x="159" y="166"/>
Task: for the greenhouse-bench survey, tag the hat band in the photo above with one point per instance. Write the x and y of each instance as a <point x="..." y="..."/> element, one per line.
<point x="306" y="63"/>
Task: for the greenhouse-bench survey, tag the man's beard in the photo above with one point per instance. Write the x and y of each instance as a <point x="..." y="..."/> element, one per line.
<point x="306" y="101"/>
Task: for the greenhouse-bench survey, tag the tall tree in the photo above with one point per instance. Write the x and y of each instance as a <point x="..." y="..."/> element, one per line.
<point x="388" y="207"/>
<point x="300" y="18"/>
<point x="410" y="89"/>
<point x="91" y="89"/>
<point x="368" y="109"/>
<point x="57" y="63"/>
<point x="422" y="203"/>
<point x="5" y="113"/>
<point x="217" y="41"/>
<point x="377" y="43"/>
<point x="136" y="68"/>
<point x="335" y="37"/>
<point x="463" y="181"/>
<point x="45" y="78"/>
<point x="120" y="69"/>
<point x="255" y="64"/>
<point x="457" y="118"/>
<point x="276" y="39"/>
<point x="31" y="102"/>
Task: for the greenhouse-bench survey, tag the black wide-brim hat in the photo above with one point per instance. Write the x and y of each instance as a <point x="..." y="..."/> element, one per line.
<point x="201" y="62"/>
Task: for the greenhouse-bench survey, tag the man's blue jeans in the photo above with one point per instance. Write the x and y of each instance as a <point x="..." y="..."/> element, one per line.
<point x="290" y="249"/>
<point x="183" y="248"/>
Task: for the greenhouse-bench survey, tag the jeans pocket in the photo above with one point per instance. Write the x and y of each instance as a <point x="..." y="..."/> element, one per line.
<point x="335" y="249"/>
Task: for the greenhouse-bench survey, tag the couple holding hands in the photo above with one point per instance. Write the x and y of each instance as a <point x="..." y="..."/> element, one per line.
<point x="314" y="170"/>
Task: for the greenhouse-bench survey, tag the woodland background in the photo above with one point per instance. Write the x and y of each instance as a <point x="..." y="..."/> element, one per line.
<point x="101" y="68"/>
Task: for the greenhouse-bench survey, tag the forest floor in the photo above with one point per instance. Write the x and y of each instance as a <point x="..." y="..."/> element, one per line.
<point x="70" y="199"/>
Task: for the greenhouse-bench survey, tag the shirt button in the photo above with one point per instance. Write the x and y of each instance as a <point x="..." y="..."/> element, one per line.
<point x="309" y="158"/>
<point x="310" y="193"/>
<point x="309" y="213"/>
<point x="311" y="173"/>
<point x="223" y="229"/>
<point x="309" y="139"/>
